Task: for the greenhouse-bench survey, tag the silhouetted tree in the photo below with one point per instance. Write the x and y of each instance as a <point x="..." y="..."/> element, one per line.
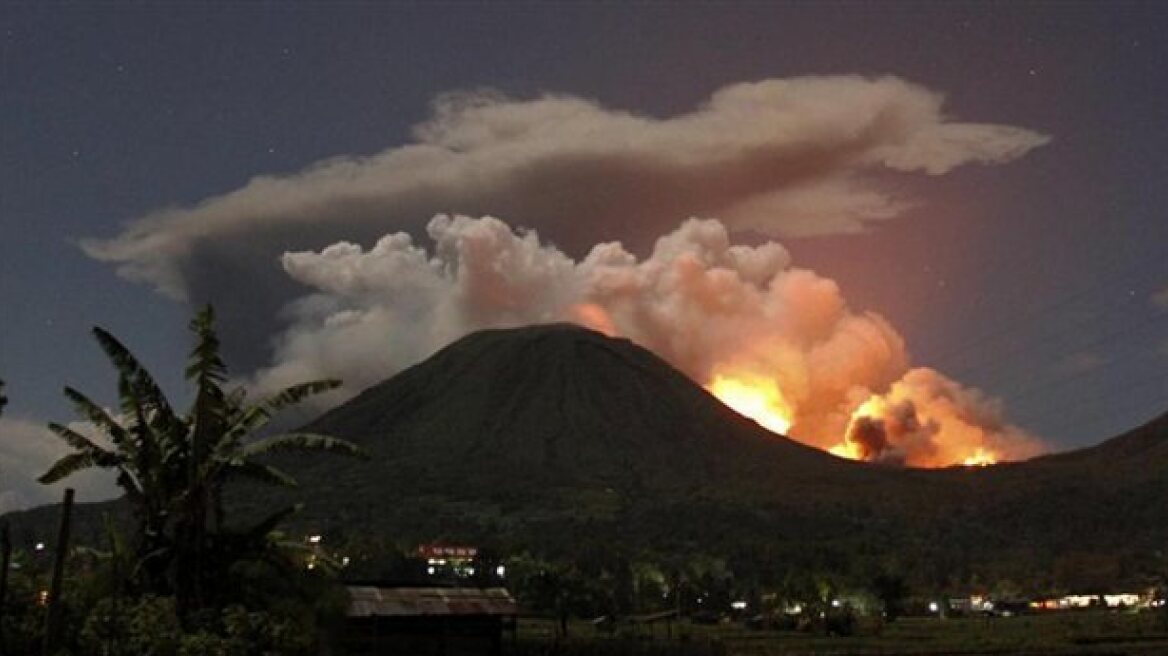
<point x="173" y="466"/>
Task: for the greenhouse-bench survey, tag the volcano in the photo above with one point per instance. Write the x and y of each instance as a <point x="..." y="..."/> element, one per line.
<point x="558" y="439"/>
<point x="535" y="434"/>
<point x="529" y="430"/>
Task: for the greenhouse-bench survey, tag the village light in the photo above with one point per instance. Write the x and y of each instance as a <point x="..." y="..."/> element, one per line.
<point x="344" y="561"/>
<point x="500" y="571"/>
<point x="314" y="539"/>
<point x="933" y="607"/>
<point x="430" y="570"/>
<point x="40" y="546"/>
<point x="738" y="605"/>
<point x="835" y="603"/>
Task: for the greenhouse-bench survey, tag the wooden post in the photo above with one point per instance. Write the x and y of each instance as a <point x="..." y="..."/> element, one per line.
<point x="5" y="563"/>
<point x="53" y="600"/>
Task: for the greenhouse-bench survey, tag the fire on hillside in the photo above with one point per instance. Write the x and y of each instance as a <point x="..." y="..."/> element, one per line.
<point x="881" y="429"/>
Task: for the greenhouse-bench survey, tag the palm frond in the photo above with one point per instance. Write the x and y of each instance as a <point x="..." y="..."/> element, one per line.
<point x="301" y="442"/>
<point x="149" y="393"/>
<point x="245" y="422"/>
<point x="204" y="364"/>
<point x="97" y="416"/>
<point x="261" y="473"/>
<point x="294" y="394"/>
<point x="80" y="442"/>
<point x="133" y="487"/>
<point x="67" y="466"/>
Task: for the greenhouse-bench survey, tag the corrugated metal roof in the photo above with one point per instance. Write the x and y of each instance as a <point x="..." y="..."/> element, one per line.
<point x="370" y="601"/>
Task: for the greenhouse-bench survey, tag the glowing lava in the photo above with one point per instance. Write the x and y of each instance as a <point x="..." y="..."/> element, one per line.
<point x="755" y="397"/>
<point x="848" y="450"/>
<point x="880" y="427"/>
<point x="980" y="458"/>
<point x="876" y="430"/>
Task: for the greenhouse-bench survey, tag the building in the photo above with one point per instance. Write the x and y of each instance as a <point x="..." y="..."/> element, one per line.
<point x="449" y="559"/>
<point x="428" y="621"/>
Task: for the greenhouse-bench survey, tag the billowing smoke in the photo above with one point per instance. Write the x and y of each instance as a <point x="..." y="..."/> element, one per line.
<point x="928" y="420"/>
<point x="781" y="157"/>
<point x="712" y="308"/>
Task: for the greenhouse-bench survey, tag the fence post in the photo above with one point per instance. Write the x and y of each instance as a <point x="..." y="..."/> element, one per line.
<point x="51" y="613"/>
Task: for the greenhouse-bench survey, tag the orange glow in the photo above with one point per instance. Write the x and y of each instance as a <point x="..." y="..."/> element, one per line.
<point x="755" y="397"/>
<point x="593" y="316"/>
<point x="954" y="446"/>
<point x="846" y="450"/>
<point x="980" y="458"/>
<point x="761" y="399"/>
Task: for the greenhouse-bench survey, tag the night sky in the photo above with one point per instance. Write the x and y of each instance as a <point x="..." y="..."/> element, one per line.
<point x="1043" y="280"/>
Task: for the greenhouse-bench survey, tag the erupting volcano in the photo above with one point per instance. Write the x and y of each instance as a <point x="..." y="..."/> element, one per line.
<point x="774" y="342"/>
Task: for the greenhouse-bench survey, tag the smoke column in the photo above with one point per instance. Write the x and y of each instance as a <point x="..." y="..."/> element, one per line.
<point x="841" y="379"/>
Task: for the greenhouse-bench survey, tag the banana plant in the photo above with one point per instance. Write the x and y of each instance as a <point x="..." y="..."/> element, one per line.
<point x="173" y="466"/>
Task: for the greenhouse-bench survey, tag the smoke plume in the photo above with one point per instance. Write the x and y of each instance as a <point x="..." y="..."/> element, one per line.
<point x="780" y="157"/>
<point x="708" y="306"/>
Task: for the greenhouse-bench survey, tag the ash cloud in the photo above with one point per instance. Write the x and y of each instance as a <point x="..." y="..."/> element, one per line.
<point x="780" y="157"/>
<point x="703" y="303"/>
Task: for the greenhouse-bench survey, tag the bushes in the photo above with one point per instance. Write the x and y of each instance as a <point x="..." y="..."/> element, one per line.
<point x="149" y="626"/>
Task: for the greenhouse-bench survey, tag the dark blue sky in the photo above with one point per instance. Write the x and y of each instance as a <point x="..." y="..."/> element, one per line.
<point x="1032" y="280"/>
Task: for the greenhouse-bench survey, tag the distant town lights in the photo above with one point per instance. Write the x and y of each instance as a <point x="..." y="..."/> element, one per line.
<point x="933" y="607"/>
<point x="500" y="571"/>
<point x="40" y="546"/>
<point x="314" y="539"/>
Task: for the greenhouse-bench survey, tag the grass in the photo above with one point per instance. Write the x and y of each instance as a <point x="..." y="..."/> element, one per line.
<point x="1094" y="633"/>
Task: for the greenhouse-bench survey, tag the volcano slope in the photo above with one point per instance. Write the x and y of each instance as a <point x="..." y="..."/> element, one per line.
<point x="555" y="437"/>
<point x="560" y="440"/>
<point x="552" y="434"/>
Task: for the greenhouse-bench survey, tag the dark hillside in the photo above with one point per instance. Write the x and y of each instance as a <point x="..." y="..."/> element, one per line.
<point x="557" y="423"/>
<point x="559" y="439"/>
